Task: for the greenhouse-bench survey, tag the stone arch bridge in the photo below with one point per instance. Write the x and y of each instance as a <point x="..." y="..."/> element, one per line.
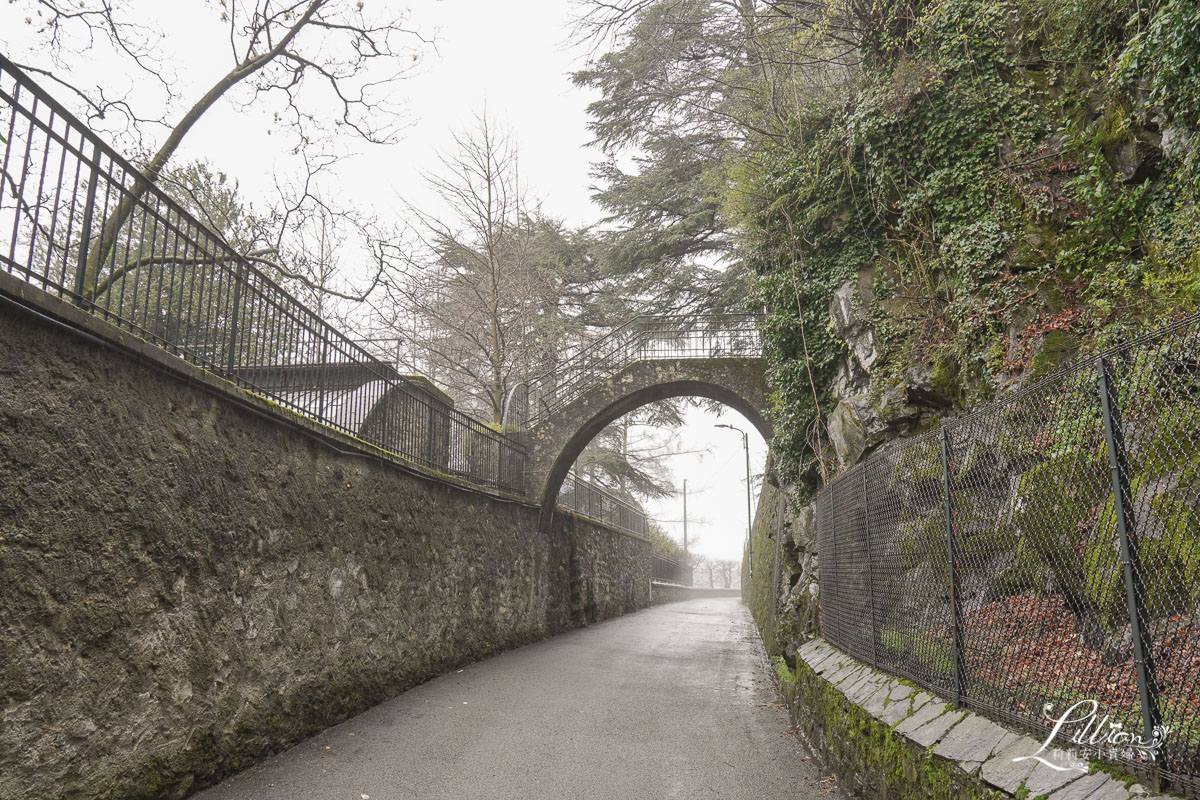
<point x="646" y="359"/>
<point x="553" y="417"/>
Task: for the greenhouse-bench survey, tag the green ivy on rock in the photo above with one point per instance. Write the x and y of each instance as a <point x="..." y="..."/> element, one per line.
<point x="1019" y="180"/>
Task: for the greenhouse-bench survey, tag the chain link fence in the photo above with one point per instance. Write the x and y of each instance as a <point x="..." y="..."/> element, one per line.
<point x="1043" y="551"/>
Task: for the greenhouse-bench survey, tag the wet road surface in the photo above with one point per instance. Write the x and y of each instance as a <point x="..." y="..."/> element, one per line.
<point x="672" y="701"/>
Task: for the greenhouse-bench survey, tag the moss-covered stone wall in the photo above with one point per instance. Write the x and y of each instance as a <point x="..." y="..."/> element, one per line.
<point x="886" y="739"/>
<point x="780" y="576"/>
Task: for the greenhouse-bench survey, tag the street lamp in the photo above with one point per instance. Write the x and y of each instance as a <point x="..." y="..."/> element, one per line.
<point x="749" y="524"/>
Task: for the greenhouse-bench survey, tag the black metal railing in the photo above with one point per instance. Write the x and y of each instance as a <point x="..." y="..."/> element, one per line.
<point x="642" y="338"/>
<point x="80" y="222"/>
<point x="590" y="500"/>
<point x="1042" y="551"/>
<point x="665" y="569"/>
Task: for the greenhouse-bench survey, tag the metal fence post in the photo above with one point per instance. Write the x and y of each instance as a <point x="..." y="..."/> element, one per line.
<point x="1135" y="593"/>
<point x="955" y="599"/>
<point x="866" y="504"/>
<point x="499" y="464"/>
<point x="239" y="277"/>
<point x="323" y="358"/>
<point x="385" y="423"/>
<point x="85" y="234"/>
<point x="431" y="426"/>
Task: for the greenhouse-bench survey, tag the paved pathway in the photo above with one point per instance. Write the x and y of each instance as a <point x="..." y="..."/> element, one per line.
<point x="668" y="702"/>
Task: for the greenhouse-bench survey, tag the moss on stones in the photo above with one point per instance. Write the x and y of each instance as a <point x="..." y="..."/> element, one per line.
<point x="1058" y="347"/>
<point x="867" y="753"/>
<point x="945" y="379"/>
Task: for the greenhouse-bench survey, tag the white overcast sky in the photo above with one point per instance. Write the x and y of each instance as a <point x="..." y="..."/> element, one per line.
<point x="512" y="57"/>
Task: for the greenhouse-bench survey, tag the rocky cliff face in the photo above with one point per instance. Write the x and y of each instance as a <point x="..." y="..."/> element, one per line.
<point x="782" y="591"/>
<point x="1031" y="494"/>
<point x="871" y="410"/>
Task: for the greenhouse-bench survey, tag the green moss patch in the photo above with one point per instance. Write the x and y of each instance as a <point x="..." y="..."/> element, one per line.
<point x="866" y="753"/>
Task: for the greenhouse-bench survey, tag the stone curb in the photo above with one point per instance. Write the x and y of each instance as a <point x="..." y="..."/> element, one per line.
<point x="982" y="749"/>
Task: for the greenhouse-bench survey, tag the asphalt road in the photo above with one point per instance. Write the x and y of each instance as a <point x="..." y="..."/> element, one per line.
<point x="673" y="701"/>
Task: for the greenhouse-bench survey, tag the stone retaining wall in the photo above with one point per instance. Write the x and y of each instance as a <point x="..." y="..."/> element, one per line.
<point x="672" y="593"/>
<point x="191" y="580"/>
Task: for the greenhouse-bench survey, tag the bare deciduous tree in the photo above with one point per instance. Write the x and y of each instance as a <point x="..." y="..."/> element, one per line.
<point x="714" y="573"/>
<point x="490" y="289"/>
<point x="300" y="57"/>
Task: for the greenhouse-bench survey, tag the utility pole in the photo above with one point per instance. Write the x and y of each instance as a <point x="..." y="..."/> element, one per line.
<point x="685" y="516"/>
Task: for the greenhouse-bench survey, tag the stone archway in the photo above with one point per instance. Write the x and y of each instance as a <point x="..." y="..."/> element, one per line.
<point x="557" y="441"/>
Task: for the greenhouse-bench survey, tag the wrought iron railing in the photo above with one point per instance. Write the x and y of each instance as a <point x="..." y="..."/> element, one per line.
<point x="1042" y="551"/>
<point x="643" y="338"/>
<point x="590" y="500"/>
<point x="665" y="569"/>
<point x="80" y="222"/>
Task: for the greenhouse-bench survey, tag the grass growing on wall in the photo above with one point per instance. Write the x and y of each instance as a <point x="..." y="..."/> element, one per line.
<point x="867" y="753"/>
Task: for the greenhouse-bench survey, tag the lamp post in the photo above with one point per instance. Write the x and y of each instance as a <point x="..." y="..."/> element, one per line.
<point x="749" y="524"/>
<point x="685" y="517"/>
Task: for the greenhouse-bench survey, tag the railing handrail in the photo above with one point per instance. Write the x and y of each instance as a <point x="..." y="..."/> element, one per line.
<point x="600" y="490"/>
<point x="217" y="288"/>
<point x="100" y="165"/>
<point x="109" y="152"/>
<point x="628" y="517"/>
<point x="628" y="323"/>
<point x="676" y="572"/>
<point x="627" y="341"/>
